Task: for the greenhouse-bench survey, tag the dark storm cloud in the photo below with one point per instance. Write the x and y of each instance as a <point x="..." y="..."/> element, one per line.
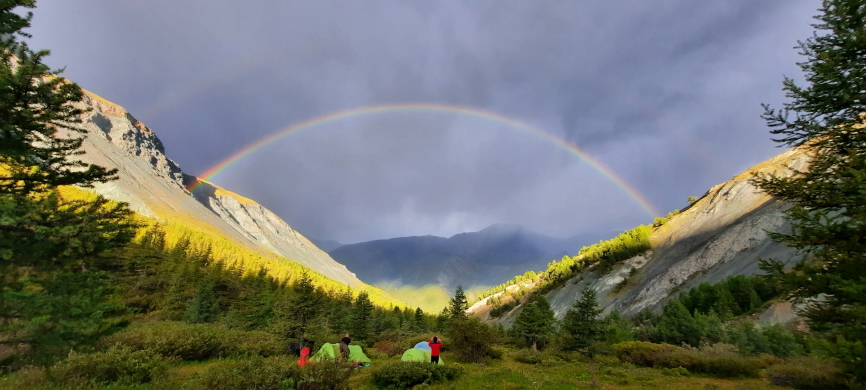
<point x="665" y="93"/>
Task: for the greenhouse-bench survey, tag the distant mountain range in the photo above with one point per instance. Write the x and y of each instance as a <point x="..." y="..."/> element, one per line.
<point x="326" y="245"/>
<point x="472" y="260"/>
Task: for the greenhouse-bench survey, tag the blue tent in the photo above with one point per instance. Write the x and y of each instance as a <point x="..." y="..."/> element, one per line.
<point x="422" y="345"/>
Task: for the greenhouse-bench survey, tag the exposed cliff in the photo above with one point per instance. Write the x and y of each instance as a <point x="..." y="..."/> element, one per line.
<point x="153" y="185"/>
<point x="722" y="234"/>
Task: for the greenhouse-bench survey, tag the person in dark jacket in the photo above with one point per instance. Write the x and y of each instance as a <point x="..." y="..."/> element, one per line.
<point x="434" y="345"/>
<point x="344" y="347"/>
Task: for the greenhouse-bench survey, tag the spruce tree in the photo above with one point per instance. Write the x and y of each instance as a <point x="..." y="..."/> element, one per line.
<point x="54" y="294"/>
<point x="827" y="118"/>
<point x="535" y="322"/>
<point x="582" y="328"/>
<point x="458" y="305"/>
<point x="361" y="316"/>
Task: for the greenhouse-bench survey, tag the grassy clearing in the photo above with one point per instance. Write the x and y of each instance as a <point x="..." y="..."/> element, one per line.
<point x="552" y="371"/>
<point x="507" y="373"/>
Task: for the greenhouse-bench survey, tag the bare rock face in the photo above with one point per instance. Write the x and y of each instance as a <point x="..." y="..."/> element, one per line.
<point x="127" y="133"/>
<point x="153" y="185"/>
<point x="722" y="234"/>
<point x="263" y="226"/>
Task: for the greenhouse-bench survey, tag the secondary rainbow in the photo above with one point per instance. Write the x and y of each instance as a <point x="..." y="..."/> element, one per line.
<point x="430" y="107"/>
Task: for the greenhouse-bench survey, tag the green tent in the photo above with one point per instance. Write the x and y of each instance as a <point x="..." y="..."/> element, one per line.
<point x="330" y="351"/>
<point x="418" y="355"/>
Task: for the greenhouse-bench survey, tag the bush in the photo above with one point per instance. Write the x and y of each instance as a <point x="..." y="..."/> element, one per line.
<point x="389" y="348"/>
<point x="471" y="339"/>
<point x="115" y="366"/>
<point x="275" y="373"/>
<point x="720" y="360"/>
<point x="725" y="366"/>
<point x="405" y="375"/>
<point x="641" y="353"/>
<point x="195" y="341"/>
<point x="807" y="374"/>
<point x="528" y="356"/>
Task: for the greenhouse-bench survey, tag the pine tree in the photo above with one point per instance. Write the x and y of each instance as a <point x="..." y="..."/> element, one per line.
<point x="362" y="314"/>
<point x="54" y="295"/>
<point x="419" y="322"/>
<point x="582" y="328"/>
<point x="458" y="305"/>
<point x="535" y="322"/>
<point x="36" y="108"/>
<point x="304" y="304"/>
<point x="828" y="202"/>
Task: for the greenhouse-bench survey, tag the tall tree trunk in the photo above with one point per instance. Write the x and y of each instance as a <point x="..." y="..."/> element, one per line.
<point x="592" y="370"/>
<point x="535" y="345"/>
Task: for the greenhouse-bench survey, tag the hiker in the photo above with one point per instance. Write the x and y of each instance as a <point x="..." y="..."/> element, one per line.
<point x="344" y="347"/>
<point x="434" y="344"/>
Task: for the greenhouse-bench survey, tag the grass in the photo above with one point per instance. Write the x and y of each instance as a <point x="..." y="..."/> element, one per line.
<point x="506" y="373"/>
<point x="557" y="374"/>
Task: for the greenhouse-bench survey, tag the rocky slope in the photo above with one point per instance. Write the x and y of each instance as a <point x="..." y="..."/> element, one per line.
<point x="154" y="186"/>
<point x="724" y="233"/>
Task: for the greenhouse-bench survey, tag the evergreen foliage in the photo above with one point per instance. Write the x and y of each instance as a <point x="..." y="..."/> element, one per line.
<point x="38" y="116"/>
<point x="582" y="327"/>
<point x="55" y="295"/>
<point x="458" y="305"/>
<point x="535" y="322"/>
<point x="828" y="215"/>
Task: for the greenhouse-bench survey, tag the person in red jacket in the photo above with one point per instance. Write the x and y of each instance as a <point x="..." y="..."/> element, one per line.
<point x="434" y="345"/>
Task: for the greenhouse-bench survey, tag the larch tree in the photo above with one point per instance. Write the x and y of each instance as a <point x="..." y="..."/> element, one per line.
<point x="827" y="118"/>
<point x="54" y="295"/>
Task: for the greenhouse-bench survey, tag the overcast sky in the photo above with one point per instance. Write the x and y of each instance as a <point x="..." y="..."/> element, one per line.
<point x="664" y="93"/>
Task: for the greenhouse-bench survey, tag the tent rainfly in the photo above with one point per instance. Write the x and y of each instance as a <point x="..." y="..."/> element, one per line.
<point x="418" y="355"/>
<point x="331" y="351"/>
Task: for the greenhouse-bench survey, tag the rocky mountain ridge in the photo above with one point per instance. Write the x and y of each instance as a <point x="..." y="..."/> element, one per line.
<point x="722" y="234"/>
<point x="155" y="186"/>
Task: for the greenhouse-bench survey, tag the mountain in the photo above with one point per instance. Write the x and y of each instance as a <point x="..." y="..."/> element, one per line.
<point x="156" y="187"/>
<point x="473" y="260"/>
<point x="326" y="245"/>
<point x="722" y="234"/>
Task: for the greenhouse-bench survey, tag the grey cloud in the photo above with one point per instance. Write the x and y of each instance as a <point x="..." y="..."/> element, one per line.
<point x="665" y="93"/>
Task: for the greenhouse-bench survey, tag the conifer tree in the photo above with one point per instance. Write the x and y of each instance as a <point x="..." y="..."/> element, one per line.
<point x="362" y="315"/>
<point x="458" y="305"/>
<point x="36" y="109"/>
<point x="827" y="117"/>
<point x="582" y="327"/>
<point x="54" y="295"/>
<point x="535" y="322"/>
<point x="304" y="304"/>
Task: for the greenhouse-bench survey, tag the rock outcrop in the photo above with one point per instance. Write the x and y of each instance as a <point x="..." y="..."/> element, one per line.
<point x="153" y="185"/>
<point x="722" y="234"/>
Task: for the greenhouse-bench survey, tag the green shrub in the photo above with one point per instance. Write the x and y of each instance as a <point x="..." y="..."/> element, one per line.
<point x="528" y="356"/>
<point x="389" y="348"/>
<point x="641" y="353"/>
<point x="471" y="339"/>
<point x="115" y="366"/>
<point x="195" y="341"/>
<point x="274" y="373"/>
<point x="720" y="360"/>
<point x="807" y="374"/>
<point x="405" y="375"/>
<point x="725" y="366"/>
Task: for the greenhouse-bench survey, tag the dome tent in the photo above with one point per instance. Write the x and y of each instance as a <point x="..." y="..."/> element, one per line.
<point x="418" y="355"/>
<point x="422" y="345"/>
<point x="331" y="351"/>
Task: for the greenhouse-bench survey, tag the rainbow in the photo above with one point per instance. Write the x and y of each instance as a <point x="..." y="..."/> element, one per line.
<point x="430" y="107"/>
